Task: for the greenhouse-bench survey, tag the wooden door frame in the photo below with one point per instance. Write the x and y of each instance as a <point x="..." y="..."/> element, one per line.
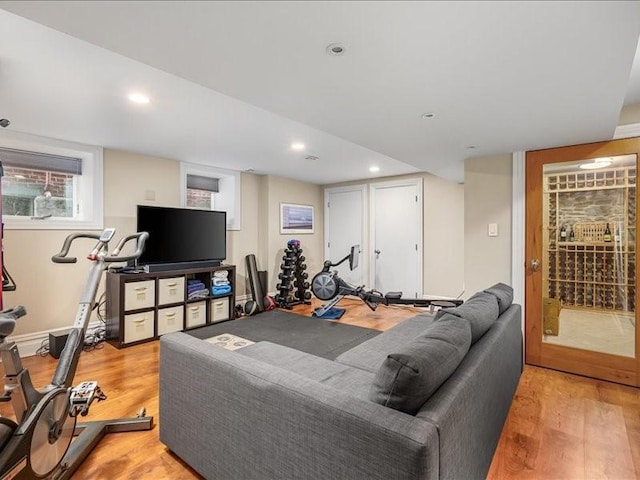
<point x="614" y="368"/>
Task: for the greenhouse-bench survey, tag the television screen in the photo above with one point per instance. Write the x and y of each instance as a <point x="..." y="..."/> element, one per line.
<point x="179" y="235"/>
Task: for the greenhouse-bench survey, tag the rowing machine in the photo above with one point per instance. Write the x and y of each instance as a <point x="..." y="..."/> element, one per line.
<point x="328" y="286"/>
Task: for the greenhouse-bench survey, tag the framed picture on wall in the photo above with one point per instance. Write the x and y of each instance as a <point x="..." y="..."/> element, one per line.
<point x="296" y="218"/>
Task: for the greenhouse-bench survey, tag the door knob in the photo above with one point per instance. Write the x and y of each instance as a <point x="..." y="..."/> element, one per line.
<point x="535" y="264"/>
<point x="377" y="252"/>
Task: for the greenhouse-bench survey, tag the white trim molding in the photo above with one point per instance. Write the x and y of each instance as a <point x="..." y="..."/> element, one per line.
<point x="88" y="192"/>
<point x="228" y="198"/>
<point x="29" y="343"/>
<point x="627" y="131"/>
<point x="518" y="202"/>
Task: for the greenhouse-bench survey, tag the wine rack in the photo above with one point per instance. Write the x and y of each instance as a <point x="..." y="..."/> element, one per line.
<point x="584" y="270"/>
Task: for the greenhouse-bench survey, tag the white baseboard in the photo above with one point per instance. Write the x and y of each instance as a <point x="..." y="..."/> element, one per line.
<point x="242" y="299"/>
<point x="433" y="296"/>
<point x="29" y="343"/>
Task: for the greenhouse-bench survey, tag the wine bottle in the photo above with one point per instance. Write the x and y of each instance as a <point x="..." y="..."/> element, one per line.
<point x="617" y="237"/>
<point x="572" y="236"/>
<point x="607" y="234"/>
<point x="563" y="234"/>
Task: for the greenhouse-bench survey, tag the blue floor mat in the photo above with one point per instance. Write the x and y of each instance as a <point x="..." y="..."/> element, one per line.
<point x="333" y="313"/>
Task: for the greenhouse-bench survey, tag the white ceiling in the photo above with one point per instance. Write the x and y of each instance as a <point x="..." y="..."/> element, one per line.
<point x="234" y="83"/>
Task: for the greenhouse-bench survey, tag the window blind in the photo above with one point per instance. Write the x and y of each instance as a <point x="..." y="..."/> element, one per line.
<point x="41" y="161"/>
<point x="198" y="182"/>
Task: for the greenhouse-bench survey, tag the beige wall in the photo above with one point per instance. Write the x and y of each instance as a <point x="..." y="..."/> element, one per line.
<point x="630" y="114"/>
<point x="487" y="199"/>
<point x="443" y="235"/>
<point x="241" y="243"/>
<point x="51" y="292"/>
<point x="283" y="190"/>
<point x="487" y="194"/>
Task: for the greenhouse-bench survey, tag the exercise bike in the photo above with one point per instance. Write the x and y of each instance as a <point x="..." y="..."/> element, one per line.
<point x="328" y="286"/>
<point x="40" y="444"/>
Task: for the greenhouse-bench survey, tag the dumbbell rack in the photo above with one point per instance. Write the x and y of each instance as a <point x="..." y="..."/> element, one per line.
<point x="293" y="288"/>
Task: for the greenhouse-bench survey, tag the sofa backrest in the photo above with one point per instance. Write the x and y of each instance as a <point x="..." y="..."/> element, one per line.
<point x="470" y="408"/>
<point x="482" y="309"/>
<point x="412" y="372"/>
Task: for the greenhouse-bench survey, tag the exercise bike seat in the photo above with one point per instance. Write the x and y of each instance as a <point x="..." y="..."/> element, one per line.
<point x="393" y="295"/>
<point x="8" y="320"/>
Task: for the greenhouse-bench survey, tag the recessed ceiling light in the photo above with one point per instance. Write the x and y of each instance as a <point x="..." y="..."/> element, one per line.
<point x="374" y="169"/>
<point x="428" y="115"/>
<point x="311" y="157"/>
<point x="139" y="98"/>
<point x="597" y="163"/>
<point x="472" y="147"/>
<point x="297" y="146"/>
<point x="335" y="49"/>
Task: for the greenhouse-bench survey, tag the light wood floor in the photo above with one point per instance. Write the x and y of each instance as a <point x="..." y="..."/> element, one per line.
<point x="560" y="426"/>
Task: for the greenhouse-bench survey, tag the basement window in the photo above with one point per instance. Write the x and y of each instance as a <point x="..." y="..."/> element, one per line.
<point x="210" y="188"/>
<point x="50" y="184"/>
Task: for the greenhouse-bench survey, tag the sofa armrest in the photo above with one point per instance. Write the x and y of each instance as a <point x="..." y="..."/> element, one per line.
<point x="231" y="416"/>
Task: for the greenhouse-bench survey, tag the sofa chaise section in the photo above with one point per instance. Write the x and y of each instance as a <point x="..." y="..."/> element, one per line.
<point x="230" y="416"/>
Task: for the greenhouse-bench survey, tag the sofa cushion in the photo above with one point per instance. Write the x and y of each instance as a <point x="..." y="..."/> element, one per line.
<point x="504" y="295"/>
<point x="369" y="355"/>
<point x="481" y="311"/>
<point x="407" y="378"/>
<point x="350" y="380"/>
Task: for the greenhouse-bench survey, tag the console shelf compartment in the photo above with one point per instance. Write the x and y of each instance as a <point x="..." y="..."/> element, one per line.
<point x="143" y="306"/>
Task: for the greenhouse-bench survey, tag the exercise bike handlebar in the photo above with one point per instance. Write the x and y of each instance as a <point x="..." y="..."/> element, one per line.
<point x="141" y="238"/>
<point x="62" y="256"/>
<point x="115" y="256"/>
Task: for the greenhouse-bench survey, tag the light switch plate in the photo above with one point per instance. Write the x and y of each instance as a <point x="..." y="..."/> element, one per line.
<point x="493" y="229"/>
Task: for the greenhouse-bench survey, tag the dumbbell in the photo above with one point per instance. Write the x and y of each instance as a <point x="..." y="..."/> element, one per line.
<point x="302" y="266"/>
<point x="301" y="258"/>
<point x="304" y="275"/>
<point x="283" y="276"/>
<point x="286" y="266"/>
<point x="307" y="295"/>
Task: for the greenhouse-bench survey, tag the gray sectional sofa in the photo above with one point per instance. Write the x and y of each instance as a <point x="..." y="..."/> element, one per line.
<point x="426" y="399"/>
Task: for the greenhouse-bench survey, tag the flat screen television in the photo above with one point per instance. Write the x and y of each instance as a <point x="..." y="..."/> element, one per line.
<point x="182" y="237"/>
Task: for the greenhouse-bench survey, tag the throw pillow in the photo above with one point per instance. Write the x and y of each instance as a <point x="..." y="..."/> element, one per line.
<point x="481" y="311"/>
<point x="504" y="295"/>
<point x="406" y="379"/>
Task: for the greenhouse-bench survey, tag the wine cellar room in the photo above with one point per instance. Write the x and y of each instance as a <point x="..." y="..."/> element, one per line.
<point x="589" y="254"/>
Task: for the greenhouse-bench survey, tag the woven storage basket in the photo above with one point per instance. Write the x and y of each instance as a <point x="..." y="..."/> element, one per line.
<point x="590" y="231"/>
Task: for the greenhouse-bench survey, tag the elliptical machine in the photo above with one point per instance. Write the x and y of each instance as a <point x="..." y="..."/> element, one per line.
<point x="40" y="444"/>
<point x="328" y="286"/>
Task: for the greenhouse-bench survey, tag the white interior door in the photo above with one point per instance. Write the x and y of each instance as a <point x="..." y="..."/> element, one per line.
<point x="345" y="216"/>
<point x="396" y="237"/>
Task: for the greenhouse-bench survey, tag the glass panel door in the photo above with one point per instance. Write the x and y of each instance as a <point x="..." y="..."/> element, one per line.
<point x="581" y="277"/>
<point x="588" y="254"/>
